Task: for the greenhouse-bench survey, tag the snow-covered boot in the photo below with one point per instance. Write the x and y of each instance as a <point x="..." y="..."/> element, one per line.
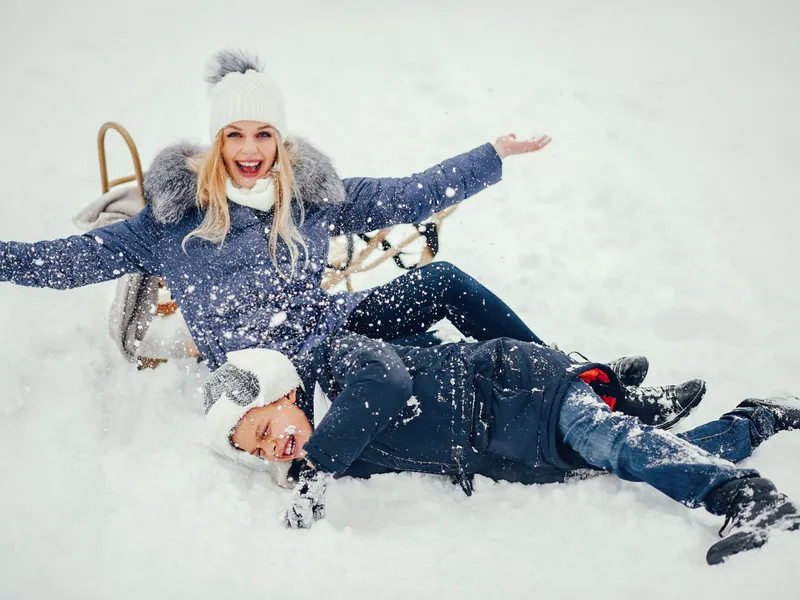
<point x="756" y="510"/>
<point x="785" y="410"/>
<point x="631" y="370"/>
<point x="662" y="406"/>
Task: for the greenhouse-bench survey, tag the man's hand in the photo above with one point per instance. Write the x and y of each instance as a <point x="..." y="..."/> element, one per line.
<point x="308" y="500"/>
<point x="508" y="145"/>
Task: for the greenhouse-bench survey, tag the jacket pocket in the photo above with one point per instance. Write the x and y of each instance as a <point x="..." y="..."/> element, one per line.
<point x="515" y="419"/>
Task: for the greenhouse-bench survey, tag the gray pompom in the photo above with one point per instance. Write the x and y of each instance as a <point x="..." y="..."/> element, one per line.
<point x="231" y="61"/>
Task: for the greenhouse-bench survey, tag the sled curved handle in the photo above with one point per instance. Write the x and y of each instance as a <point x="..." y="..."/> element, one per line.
<point x="101" y="153"/>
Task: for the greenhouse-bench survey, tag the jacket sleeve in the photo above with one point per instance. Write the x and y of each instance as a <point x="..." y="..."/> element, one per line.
<point x="99" y="255"/>
<point x="375" y="387"/>
<point x="378" y="203"/>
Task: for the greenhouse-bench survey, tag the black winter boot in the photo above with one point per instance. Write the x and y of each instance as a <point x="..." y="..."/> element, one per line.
<point x="662" y="406"/>
<point x="631" y="370"/>
<point x="785" y="410"/>
<point x="755" y="510"/>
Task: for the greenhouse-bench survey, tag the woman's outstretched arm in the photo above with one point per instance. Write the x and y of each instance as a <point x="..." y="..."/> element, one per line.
<point x="375" y="203"/>
<point x="99" y="255"/>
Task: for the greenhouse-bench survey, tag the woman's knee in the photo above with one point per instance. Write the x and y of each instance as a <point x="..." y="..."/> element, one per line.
<point x="439" y="269"/>
<point x="447" y="277"/>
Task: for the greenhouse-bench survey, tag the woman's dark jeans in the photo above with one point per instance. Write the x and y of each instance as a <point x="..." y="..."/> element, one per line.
<point x="402" y="310"/>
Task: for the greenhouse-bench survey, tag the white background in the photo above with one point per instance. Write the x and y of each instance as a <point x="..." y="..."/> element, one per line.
<point x="662" y="220"/>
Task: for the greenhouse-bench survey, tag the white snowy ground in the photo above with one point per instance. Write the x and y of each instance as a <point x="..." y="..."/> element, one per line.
<point x="662" y="220"/>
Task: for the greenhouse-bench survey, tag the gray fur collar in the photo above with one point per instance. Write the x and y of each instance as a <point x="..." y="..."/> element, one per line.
<point x="170" y="186"/>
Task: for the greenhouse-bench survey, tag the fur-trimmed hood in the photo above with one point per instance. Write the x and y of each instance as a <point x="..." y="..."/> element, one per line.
<point x="170" y="186"/>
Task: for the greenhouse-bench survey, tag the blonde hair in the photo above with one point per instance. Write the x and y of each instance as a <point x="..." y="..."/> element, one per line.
<point x="212" y="198"/>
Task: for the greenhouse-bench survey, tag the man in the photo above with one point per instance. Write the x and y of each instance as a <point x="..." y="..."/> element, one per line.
<point x="504" y="409"/>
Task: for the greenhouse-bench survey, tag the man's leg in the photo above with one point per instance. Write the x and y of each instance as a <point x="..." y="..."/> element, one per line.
<point x="638" y="452"/>
<point x="736" y="434"/>
<point x="686" y="473"/>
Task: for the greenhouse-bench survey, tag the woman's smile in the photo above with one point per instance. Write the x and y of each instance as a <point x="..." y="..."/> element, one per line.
<point x="249" y="169"/>
<point x="249" y="151"/>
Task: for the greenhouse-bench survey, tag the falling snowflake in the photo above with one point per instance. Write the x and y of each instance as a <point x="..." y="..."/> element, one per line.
<point x="277" y="319"/>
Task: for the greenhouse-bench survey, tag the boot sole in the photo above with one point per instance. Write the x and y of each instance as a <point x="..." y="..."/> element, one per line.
<point x="684" y="412"/>
<point x="740" y="542"/>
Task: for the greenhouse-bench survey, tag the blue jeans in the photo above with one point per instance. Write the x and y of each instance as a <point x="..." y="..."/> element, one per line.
<point x="402" y="310"/>
<point x="685" y="468"/>
<point x="734" y="435"/>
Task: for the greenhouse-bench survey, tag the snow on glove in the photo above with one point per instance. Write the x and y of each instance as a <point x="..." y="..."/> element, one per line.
<point x="308" y="500"/>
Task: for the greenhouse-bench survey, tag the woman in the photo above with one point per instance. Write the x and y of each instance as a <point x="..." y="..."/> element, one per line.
<point x="504" y="409"/>
<point x="242" y="236"/>
<point x="243" y="242"/>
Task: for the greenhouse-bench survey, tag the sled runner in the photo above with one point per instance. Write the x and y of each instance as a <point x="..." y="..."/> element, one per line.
<point x="146" y="323"/>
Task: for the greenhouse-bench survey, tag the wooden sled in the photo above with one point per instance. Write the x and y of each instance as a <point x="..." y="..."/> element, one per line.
<point x="349" y="255"/>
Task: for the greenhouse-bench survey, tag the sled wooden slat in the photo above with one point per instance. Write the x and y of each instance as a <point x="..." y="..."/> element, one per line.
<point x="121" y="180"/>
<point x="356" y="265"/>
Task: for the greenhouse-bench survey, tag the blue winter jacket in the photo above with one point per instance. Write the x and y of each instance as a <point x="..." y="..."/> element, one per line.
<point x="457" y="409"/>
<point x="231" y="295"/>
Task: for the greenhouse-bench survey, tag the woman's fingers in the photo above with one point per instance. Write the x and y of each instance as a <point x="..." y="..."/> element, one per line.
<point x="540" y="143"/>
<point x="523" y="147"/>
<point x="509" y="145"/>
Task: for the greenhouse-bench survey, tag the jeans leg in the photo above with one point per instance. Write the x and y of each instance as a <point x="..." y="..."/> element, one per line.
<point x="416" y="300"/>
<point x="638" y="452"/>
<point x="734" y="435"/>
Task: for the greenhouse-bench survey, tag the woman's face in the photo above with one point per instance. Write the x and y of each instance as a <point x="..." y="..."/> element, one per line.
<point x="275" y="432"/>
<point x="249" y="150"/>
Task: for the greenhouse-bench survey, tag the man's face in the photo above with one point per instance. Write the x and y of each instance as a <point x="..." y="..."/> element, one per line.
<point x="275" y="432"/>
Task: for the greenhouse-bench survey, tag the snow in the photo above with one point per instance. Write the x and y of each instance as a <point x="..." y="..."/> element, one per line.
<point x="661" y="220"/>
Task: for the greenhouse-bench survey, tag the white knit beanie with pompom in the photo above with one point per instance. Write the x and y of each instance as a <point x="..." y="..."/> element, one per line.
<point x="242" y="92"/>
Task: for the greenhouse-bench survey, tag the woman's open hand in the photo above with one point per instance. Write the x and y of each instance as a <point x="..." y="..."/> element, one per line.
<point x="508" y="145"/>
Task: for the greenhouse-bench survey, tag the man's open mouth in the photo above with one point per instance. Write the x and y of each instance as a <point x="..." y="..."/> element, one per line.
<point x="249" y="168"/>
<point x="289" y="448"/>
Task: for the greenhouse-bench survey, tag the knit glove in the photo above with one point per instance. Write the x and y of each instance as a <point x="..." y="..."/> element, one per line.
<point x="308" y="500"/>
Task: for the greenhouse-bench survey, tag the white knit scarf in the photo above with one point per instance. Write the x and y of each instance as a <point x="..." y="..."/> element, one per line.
<point x="261" y="196"/>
